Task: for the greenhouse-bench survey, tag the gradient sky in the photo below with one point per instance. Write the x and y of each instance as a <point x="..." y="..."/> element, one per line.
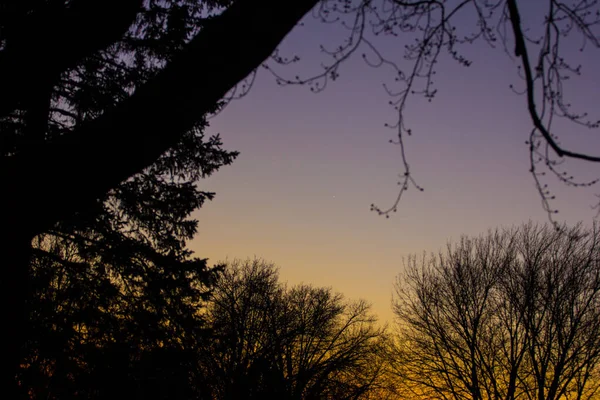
<point x="311" y="164"/>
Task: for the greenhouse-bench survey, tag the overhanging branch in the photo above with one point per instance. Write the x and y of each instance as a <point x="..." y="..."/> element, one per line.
<point x="521" y="51"/>
<point x="55" y="180"/>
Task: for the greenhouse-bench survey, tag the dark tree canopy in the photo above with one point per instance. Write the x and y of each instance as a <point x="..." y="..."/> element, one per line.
<point x="116" y="297"/>
<point x="111" y="288"/>
<point x="99" y="100"/>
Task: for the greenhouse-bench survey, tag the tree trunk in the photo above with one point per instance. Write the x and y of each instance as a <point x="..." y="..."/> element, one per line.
<point x="57" y="179"/>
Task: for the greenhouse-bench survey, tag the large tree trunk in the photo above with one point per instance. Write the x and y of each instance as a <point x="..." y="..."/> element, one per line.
<point x="53" y="181"/>
<point x="57" y="179"/>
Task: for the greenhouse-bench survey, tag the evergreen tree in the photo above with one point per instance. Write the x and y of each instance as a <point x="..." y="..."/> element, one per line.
<point x="114" y="295"/>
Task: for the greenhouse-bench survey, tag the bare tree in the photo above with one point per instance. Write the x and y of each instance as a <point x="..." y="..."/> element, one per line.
<point x="559" y="297"/>
<point x="244" y="311"/>
<point x="512" y="314"/>
<point x="298" y="343"/>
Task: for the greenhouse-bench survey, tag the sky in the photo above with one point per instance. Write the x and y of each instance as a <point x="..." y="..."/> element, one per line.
<point x="311" y="165"/>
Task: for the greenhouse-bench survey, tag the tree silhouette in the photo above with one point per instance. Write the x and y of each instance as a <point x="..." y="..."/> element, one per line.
<point x="118" y="271"/>
<point x="289" y="343"/>
<point x="94" y="92"/>
<point x="116" y="297"/>
<point x="132" y="235"/>
<point x="514" y="314"/>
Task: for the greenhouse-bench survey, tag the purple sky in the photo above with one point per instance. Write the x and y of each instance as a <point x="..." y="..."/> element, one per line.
<point x="311" y="165"/>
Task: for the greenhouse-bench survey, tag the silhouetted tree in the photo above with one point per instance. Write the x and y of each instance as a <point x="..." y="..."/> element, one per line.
<point x="116" y="297"/>
<point x="514" y="314"/>
<point x="120" y="266"/>
<point x="119" y="272"/>
<point x="297" y="343"/>
<point x="95" y="91"/>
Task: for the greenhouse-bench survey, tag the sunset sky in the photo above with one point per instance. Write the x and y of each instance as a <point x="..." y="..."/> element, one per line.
<point x="311" y="165"/>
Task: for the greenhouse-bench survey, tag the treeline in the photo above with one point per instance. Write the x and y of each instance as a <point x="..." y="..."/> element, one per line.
<point x="514" y="314"/>
<point x="251" y="337"/>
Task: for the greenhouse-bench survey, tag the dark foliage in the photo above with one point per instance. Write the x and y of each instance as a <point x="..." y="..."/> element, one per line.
<point x="114" y="296"/>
